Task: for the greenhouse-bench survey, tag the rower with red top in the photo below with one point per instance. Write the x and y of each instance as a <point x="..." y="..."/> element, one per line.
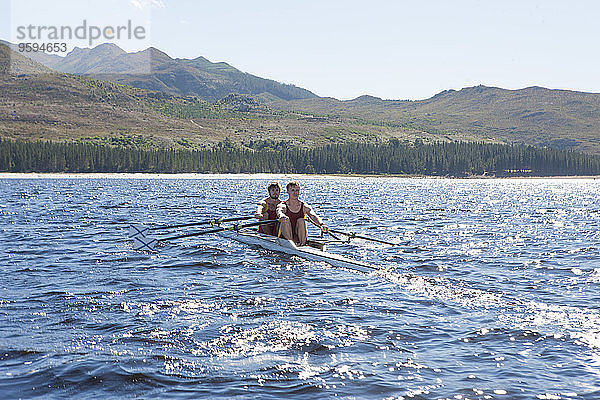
<point x="293" y="214"/>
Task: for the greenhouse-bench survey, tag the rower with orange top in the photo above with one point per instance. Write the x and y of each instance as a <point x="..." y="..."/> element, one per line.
<point x="267" y="210"/>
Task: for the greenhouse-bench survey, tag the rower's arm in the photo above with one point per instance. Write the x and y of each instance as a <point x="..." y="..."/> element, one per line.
<point x="314" y="218"/>
<point x="260" y="209"/>
<point x="281" y="208"/>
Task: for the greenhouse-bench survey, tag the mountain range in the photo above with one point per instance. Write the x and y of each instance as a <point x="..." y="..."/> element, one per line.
<point x="37" y="103"/>
<point x="154" y="70"/>
<point x="537" y="116"/>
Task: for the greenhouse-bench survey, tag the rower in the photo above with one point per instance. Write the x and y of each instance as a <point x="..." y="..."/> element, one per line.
<point x="293" y="214"/>
<point x="267" y="209"/>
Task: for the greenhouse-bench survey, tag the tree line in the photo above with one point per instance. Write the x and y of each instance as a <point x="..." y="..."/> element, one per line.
<point x="393" y="157"/>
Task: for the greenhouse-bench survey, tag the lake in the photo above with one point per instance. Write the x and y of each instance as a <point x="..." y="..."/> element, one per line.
<point x="491" y="292"/>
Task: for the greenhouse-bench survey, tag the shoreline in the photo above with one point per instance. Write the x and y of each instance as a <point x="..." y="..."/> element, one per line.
<point x="116" y="175"/>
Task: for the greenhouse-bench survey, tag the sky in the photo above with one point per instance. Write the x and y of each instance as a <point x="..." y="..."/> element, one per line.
<point x="345" y="49"/>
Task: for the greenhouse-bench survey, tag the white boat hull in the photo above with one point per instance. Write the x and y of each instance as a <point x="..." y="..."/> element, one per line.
<point x="288" y="247"/>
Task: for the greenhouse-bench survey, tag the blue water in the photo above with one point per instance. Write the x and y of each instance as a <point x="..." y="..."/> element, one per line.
<point x="491" y="294"/>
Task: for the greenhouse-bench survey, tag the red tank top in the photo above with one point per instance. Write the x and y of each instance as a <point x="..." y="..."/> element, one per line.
<point x="294" y="216"/>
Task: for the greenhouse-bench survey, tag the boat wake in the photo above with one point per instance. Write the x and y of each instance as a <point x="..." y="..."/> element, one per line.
<point x="550" y="320"/>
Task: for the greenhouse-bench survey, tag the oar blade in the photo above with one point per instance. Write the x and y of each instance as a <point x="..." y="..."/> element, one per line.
<point x="136" y="230"/>
<point x="141" y="243"/>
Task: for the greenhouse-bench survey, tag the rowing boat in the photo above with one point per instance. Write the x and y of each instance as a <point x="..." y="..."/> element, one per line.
<point x="286" y="246"/>
<point x="313" y="251"/>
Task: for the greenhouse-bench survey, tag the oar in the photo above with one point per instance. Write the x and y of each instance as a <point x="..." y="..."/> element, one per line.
<point x="352" y="235"/>
<point x="136" y="230"/>
<point x="333" y="236"/>
<point x="234" y="227"/>
<point x="216" y="221"/>
<point x="141" y="242"/>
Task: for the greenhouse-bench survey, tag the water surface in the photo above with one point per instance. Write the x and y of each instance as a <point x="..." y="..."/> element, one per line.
<point x="491" y="294"/>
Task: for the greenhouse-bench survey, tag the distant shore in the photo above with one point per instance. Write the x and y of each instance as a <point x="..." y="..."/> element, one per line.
<point x="93" y="175"/>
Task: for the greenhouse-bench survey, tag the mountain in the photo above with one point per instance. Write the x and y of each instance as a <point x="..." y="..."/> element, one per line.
<point x="155" y="70"/>
<point x="39" y="104"/>
<point x="85" y="61"/>
<point x="538" y="116"/>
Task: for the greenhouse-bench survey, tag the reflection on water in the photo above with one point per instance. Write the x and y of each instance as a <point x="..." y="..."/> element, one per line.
<point x="491" y="294"/>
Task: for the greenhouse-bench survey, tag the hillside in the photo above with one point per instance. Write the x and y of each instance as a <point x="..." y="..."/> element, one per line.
<point x="155" y="70"/>
<point x="542" y="117"/>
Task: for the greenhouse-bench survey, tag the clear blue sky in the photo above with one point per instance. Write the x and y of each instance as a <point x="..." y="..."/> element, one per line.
<point x="390" y="49"/>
